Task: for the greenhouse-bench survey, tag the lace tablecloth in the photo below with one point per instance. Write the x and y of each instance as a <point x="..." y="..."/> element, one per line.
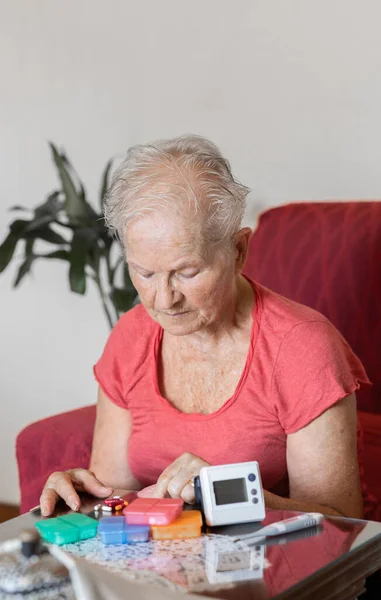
<point x="209" y="562"/>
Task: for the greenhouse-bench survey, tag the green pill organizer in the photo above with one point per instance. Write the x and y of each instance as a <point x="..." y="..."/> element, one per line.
<point x="67" y="529"/>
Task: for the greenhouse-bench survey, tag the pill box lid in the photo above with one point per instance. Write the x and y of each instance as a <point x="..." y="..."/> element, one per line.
<point x="111" y="524"/>
<point x="193" y="517"/>
<point x="78" y="520"/>
<point x="137" y="528"/>
<point x="53" y="525"/>
<point x="47" y="523"/>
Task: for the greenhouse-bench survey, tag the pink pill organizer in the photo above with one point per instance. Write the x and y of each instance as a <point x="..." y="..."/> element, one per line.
<point x="153" y="511"/>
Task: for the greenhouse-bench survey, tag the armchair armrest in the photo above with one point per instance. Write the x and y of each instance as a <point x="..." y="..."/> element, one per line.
<point x="57" y="443"/>
<point x="371" y="429"/>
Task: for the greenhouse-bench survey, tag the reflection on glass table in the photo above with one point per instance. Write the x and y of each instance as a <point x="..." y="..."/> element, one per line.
<point x="240" y="564"/>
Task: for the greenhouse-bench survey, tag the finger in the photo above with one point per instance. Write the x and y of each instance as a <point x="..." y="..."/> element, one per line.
<point x="48" y="501"/>
<point x="178" y="483"/>
<point x="187" y="494"/>
<point x="162" y="485"/>
<point x="58" y="485"/>
<point x="63" y="485"/>
<point x="163" y="482"/>
<point x="147" y="492"/>
<point x="86" y="481"/>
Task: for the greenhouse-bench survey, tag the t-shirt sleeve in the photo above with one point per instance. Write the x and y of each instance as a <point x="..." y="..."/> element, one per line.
<point x="108" y="371"/>
<point x="314" y="369"/>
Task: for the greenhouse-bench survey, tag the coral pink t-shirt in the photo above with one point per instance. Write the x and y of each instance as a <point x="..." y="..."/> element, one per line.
<point x="297" y="366"/>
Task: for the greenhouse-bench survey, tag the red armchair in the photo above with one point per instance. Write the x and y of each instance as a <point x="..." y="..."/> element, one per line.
<point x="325" y="255"/>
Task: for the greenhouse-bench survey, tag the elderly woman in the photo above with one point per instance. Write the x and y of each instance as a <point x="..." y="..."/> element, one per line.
<point x="211" y="367"/>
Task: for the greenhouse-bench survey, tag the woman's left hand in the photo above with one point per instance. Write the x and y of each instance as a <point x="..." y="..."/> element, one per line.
<point x="176" y="479"/>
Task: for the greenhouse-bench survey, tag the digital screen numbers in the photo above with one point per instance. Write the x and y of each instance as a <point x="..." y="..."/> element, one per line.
<point x="230" y="491"/>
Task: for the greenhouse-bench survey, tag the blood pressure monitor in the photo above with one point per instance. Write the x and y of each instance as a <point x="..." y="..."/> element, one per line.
<point x="230" y="494"/>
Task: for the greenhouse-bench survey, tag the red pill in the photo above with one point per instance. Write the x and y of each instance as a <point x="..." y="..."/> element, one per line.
<point x="113" y="502"/>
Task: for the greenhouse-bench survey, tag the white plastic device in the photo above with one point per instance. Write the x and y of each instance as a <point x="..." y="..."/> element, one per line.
<point x="232" y="494"/>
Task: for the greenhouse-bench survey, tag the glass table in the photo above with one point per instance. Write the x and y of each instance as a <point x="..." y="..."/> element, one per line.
<point x="329" y="561"/>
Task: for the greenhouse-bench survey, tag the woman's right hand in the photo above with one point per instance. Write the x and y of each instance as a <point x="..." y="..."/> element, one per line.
<point x="66" y="484"/>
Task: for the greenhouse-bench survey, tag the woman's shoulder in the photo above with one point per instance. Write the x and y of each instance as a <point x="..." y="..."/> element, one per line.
<point x="312" y="365"/>
<point x="281" y="314"/>
<point x="127" y="350"/>
<point x="136" y="320"/>
<point x="134" y="329"/>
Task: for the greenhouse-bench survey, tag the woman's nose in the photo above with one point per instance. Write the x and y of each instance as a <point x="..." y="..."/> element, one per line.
<point x="166" y="295"/>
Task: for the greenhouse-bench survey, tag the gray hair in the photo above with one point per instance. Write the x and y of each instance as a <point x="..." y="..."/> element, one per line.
<point x="160" y="174"/>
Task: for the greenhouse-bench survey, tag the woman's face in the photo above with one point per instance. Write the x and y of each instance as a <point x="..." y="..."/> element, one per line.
<point x="184" y="285"/>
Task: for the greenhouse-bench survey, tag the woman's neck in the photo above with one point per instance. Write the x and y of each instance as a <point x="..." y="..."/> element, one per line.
<point x="233" y="321"/>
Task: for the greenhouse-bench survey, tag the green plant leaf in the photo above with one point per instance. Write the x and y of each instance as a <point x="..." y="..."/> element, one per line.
<point x="82" y="241"/>
<point x="51" y="207"/>
<point x="26" y="265"/>
<point x="22" y="228"/>
<point x="23" y="270"/>
<point x="18" y="226"/>
<point x="93" y="216"/>
<point x="75" y="206"/>
<point x="48" y="235"/>
<point x="18" y="207"/>
<point x="37" y="223"/>
<point x="7" y="250"/>
<point x="107" y="239"/>
<point x="29" y="247"/>
<point x="105" y="182"/>
<point x="93" y="257"/>
<point x="122" y="299"/>
<point x="60" y="254"/>
<point x="82" y="193"/>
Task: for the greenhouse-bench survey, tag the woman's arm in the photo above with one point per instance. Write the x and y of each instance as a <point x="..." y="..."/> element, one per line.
<point x="322" y="465"/>
<point x="109" y="466"/>
<point x="112" y="432"/>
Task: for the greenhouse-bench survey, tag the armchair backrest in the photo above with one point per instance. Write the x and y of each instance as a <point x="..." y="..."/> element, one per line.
<point x="328" y="255"/>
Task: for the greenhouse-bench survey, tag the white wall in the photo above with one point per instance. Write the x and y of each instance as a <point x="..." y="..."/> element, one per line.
<point x="291" y="91"/>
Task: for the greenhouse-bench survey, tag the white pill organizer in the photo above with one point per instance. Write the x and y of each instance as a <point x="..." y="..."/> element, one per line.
<point x="232" y="494"/>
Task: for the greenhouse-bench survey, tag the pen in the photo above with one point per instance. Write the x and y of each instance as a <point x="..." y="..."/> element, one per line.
<point x="282" y="527"/>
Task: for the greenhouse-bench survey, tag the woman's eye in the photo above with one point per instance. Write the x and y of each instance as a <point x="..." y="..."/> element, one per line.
<point x="188" y="274"/>
<point x="146" y="275"/>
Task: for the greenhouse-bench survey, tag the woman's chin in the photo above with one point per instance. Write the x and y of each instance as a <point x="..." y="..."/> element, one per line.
<point x="181" y="324"/>
<point x="178" y="329"/>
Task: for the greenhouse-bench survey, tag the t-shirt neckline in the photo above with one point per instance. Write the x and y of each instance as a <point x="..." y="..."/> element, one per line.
<point x="196" y="416"/>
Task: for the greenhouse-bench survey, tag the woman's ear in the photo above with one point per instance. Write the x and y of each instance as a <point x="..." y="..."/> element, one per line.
<point x="241" y="245"/>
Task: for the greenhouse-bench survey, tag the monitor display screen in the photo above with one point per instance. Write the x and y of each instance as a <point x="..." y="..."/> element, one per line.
<point x="230" y="491"/>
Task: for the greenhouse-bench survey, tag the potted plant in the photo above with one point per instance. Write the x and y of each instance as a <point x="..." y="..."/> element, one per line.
<point x="77" y="234"/>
